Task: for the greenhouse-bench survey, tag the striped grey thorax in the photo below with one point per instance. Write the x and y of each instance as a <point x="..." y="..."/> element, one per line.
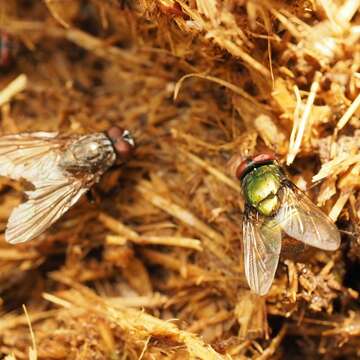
<point x="94" y="152"/>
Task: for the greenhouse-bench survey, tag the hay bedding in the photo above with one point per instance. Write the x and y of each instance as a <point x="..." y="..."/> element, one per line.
<point x="153" y="268"/>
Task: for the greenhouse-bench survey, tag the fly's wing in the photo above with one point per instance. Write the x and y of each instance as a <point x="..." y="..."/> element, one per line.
<point x="304" y="221"/>
<point x="35" y="157"/>
<point x="44" y="206"/>
<point x="262" y="246"/>
<point x="20" y="154"/>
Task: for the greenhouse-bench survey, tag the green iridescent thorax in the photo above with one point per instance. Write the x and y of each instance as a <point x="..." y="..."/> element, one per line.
<point x="261" y="187"/>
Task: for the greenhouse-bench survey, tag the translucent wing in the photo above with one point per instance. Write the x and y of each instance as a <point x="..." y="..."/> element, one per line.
<point x="262" y="246"/>
<point x="35" y="157"/>
<point x="22" y="155"/>
<point x="45" y="205"/>
<point x="304" y="221"/>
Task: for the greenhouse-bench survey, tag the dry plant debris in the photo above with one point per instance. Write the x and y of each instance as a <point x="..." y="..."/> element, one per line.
<point x="153" y="269"/>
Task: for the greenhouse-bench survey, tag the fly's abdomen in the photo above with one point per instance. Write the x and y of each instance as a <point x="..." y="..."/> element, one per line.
<point x="261" y="187"/>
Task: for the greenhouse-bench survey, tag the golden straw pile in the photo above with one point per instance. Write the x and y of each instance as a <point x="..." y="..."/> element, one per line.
<point x="153" y="268"/>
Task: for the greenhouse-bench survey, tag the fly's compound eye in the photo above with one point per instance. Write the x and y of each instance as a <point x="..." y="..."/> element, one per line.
<point x="242" y="167"/>
<point x="122" y="141"/>
<point x="246" y="165"/>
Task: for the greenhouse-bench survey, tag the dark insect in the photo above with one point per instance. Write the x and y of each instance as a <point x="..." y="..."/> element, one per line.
<point x="61" y="169"/>
<point x="275" y="206"/>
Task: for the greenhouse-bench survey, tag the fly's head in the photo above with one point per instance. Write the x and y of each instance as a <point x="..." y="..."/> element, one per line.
<point x="122" y="142"/>
<point x="250" y="163"/>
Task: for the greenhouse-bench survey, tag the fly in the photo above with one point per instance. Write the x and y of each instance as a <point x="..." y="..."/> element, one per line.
<point x="61" y="169"/>
<point x="274" y="206"/>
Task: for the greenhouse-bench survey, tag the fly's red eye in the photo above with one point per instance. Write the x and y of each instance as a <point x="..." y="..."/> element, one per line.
<point x="122" y="141"/>
<point x="123" y="148"/>
<point x="259" y="159"/>
<point x="115" y="133"/>
<point x="242" y="168"/>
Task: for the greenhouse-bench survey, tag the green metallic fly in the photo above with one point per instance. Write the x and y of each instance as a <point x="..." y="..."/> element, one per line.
<point x="275" y="206"/>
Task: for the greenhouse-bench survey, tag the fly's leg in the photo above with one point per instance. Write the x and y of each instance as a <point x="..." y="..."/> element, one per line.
<point x="93" y="196"/>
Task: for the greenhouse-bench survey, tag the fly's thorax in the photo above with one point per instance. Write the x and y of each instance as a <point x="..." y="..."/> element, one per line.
<point x="92" y="152"/>
<point x="261" y="188"/>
